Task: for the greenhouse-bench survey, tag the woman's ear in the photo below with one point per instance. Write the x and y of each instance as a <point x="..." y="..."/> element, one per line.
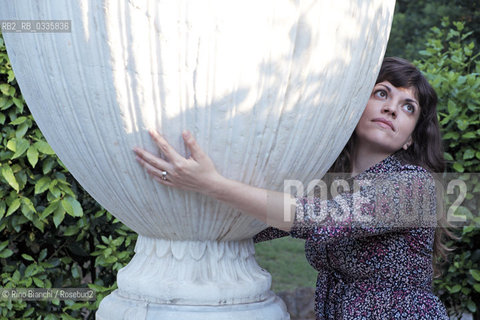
<point x="407" y="144"/>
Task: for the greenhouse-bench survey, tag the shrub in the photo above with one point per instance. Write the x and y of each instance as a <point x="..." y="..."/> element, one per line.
<point x="52" y="233"/>
<point x="453" y="68"/>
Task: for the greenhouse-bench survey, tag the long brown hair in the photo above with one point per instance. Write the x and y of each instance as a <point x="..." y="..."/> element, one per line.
<point x="427" y="148"/>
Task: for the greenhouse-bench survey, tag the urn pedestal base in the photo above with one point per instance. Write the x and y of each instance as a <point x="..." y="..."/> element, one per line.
<point x="168" y="279"/>
<point x="117" y="307"/>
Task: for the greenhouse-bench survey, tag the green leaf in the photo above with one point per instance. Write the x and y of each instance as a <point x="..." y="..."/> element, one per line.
<point x="13" y="207"/>
<point x="51" y="208"/>
<point x="458" y="167"/>
<point x="19" y="120"/>
<point x="54" y="189"/>
<point x="3" y="208"/>
<point x="44" y="147"/>
<point x="5" y="89"/>
<point x="30" y="270"/>
<point x="18" y="103"/>
<point x="67" y="190"/>
<point x="469" y="135"/>
<point x="471" y="306"/>
<point x="16" y="276"/>
<point x="27" y="257"/>
<point x="5" y="253"/>
<point x="2" y="118"/>
<point x="58" y="216"/>
<point x="12" y="145"/>
<point x="475" y="274"/>
<point x="27" y="203"/>
<point x="71" y="230"/>
<point x="468" y="229"/>
<point x="451" y="135"/>
<point x="38" y="282"/>
<point x="5" y="103"/>
<point x="3" y="245"/>
<point x="21" y="130"/>
<point x="459" y="25"/>
<point x="111" y="259"/>
<point x="42" y="184"/>
<point x="20" y="147"/>
<point x="72" y="207"/>
<point x="462" y="124"/>
<point x="118" y="241"/>
<point x="448" y="156"/>
<point x="468" y="154"/>
<point x="38" y="223"/>
<point x="452" y="108"/>
<point x="7" y="173"/>
<point x="476" y="286"/>
<point x="456" y="288"/>
<point x="11" y="76"/>
<point x="48" y="164"/>
<point x="28" y="312"/>
<point x="32" y="155"/>
<point x="42" y="255"/>
<point x="75" y="272"/>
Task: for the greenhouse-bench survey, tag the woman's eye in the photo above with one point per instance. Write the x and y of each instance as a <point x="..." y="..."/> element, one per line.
<point x="381" y="93"/>
<point x="409" y="108"/>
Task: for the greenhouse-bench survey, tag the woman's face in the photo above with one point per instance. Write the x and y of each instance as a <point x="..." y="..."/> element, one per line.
<point x="388" y="121"/>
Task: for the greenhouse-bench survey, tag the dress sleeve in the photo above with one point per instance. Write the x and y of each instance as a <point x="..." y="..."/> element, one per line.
<point x="269" y="233"/>
<point x="389" y="202"/>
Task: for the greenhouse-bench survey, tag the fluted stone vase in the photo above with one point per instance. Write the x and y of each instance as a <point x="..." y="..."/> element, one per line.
<point x="271" y="89"/>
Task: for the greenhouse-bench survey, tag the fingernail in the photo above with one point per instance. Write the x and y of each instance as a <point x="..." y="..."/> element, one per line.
<point x="186" y="134"/>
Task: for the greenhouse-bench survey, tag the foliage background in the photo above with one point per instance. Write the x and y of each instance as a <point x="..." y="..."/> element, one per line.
<point x="53" y="234"/>
<point x="452" y="65"/>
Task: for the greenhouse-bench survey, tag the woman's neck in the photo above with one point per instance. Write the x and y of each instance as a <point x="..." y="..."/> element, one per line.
<point x="364" y="159"/>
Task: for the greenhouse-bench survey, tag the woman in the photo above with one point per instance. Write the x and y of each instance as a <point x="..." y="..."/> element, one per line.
<point x="373" y="247"/>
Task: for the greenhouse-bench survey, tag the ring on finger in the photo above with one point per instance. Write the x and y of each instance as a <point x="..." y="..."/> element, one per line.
<point x="164" y="175"/>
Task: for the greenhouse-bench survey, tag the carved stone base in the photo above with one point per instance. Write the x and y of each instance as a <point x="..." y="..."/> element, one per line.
<point x="169" y="279"/>
<point x="117" y="307"/>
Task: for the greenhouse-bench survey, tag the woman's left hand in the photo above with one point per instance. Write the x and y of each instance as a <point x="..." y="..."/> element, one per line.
<point x="196" y="173"/>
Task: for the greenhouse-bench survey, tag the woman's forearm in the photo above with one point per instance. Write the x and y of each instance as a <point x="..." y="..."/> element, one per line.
<point x="276" y="209"/>
<point x="198" y="173"/>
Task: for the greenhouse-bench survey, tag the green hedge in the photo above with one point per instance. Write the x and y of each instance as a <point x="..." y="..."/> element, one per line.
<point x="413" y="19"/>
<point x="53" y="234"/>
<point x="452" y="64"/>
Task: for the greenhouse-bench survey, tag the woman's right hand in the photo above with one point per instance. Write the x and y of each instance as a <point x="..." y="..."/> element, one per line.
<point x="197" y="173"/>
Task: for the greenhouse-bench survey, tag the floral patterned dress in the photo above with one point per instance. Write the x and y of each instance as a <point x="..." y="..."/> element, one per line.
<point x="372" y="247"/>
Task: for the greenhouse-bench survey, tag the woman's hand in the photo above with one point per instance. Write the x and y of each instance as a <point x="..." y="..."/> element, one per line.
<point x="196" y="173"/>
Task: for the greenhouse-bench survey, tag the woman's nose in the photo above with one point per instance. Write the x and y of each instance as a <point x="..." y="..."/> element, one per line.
<point x="387" y="108"/>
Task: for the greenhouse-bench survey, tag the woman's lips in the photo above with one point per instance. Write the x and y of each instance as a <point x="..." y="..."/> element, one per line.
<point x="384" y="123"/>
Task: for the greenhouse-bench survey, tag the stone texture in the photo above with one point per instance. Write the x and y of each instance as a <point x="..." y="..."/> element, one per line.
<point x="271" y="89"/>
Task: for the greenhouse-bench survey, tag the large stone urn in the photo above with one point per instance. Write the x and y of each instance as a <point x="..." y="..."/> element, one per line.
<point x="272" y="89"/>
